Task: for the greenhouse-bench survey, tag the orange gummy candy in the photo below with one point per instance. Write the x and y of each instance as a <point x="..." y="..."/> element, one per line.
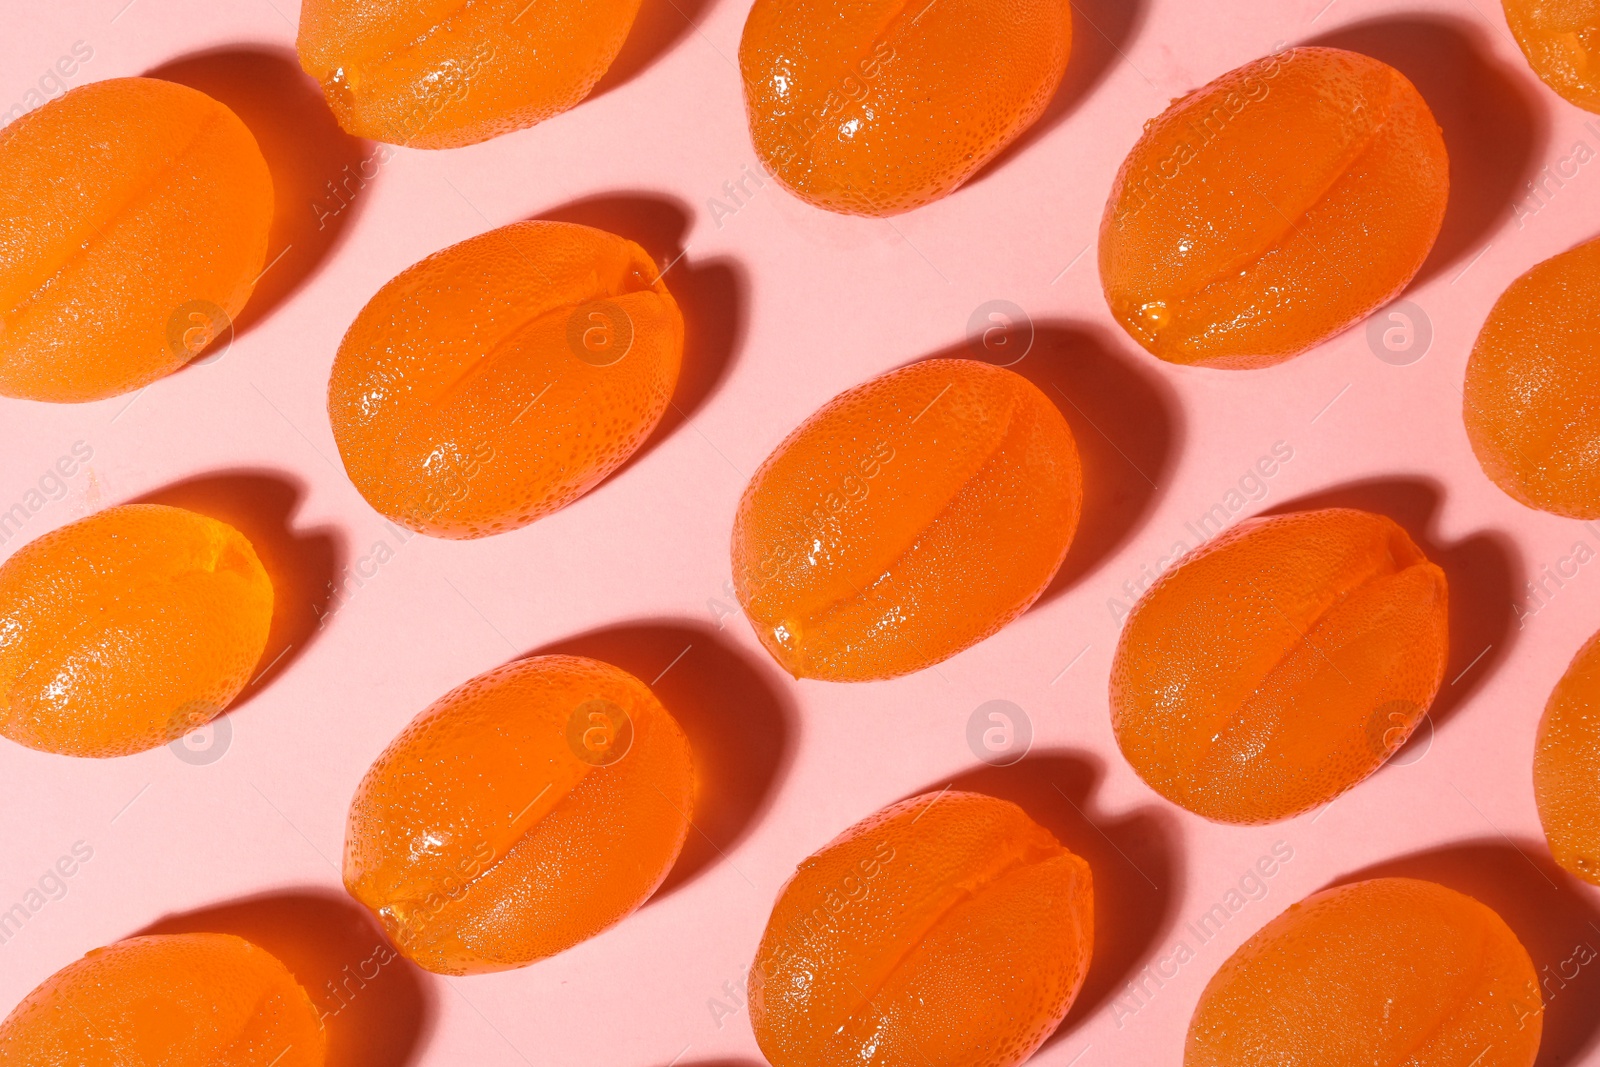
<point x="1566" y="766"/>
<point x="878" y="108"/>
<point x="133" y="226"/>
<point x="910" y="518"/>
<point x="950" y="930"/>
<point x="522" y="813"/>
<point x="1562" y="43"/>
<point x="1385" y="972"/>
<point x="128" y="629"/>
<point x="441" y="73"/>
<point x="1532" y="394"/>
<point x="1280" y="664"/>
<point x="504" y="377"/>
<point x="180" y="1000"/>
<point x="1273" y="208"/>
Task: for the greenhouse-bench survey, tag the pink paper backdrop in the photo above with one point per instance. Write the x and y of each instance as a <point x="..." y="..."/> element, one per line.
<point x="788" y="307"/>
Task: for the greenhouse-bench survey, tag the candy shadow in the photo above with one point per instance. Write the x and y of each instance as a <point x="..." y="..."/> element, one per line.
<point x="1125" y="419"/>
<point x="734" y="710"/>
<point x="305" y="149"/>
<point x="710" y="293"/>
<point x="1102" y="31"/>
<point x="659" y="26"/>
<point x="1549" y="911"/>
<point x="1492" y="125"/>
<point x="376" y="1005"/>
<point x="1481" y="572"/>
<point x="1133" y="858"/>
<point x="261" y="504"/>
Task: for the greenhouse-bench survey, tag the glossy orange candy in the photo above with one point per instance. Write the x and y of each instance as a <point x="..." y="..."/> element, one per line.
<point x="441" y="74"/>
<point x="504" y="377"/>
<point x="128" y="629"/>
<point x="910" y="518"/>
<point x="1385" y="972"/>
<point x="950" y="930"/>
<point x="1562" y="42"/>
<point x="1532" y="394"/>
<point x="180" y="1000"/>
<point x="878" y="108"/>
<point x="1566" y="766"/>
<point x="522" y="813"/>
<point x="133" y="226"/>
<point x="1280" y="664"/>
<point x="1268" y="211"/>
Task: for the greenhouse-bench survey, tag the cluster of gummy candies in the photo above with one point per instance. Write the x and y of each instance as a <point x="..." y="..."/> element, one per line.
<point x="1269" y="671"/>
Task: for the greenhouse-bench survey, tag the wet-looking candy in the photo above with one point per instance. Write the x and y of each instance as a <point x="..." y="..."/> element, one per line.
<point x="1566" y="766"/>
<point x="1562" y="43"/>
<point x="1262" y="214"/>
<point x="128" y="629"/>
<point x="525" y="811"/>
<point x="179" y="1000"/>
<point x="502" y="378"/>
<point x="950" y="930"/>
<point x="1388" y="972"/>
<point x="133" y="227"/>
<point x="908" y="519"/>
<point x="1280" y="664"/>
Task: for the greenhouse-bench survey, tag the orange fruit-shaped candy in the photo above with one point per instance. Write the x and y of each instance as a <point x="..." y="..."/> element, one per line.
<point x="441" y="74"/>
<point x="1566" y="766"/>
<point x="128" y="629"/>
<point x="1280" y="664"/>
<point x="502" y="378"/>
<point x="1532" y="394"/>
<point x="1386" y="972"/>
<point x="179" y="1000"/>
<point x="1562" y="43"/>
<point x="950" y="930"/>
<point x="522" y="813"/>
<point x="877" y="108"/>
<point x="133" y="226"/>
<point x="1269" y="210"/>
<point x="911" y="517"/>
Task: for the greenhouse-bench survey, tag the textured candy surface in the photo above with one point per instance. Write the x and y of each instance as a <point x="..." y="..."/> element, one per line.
<point x="1532" y="393"/>
<point x="1566" y="766"/>
<point x="877" y="108"/>
<point x="1273" y="208"/>
<point x="502" y="378"/>
<point x="128" y="629"/>
<point x="1561" y="39"/>
<point x="441" y="73"/>
<point x="133" y="227"/>
<point x="180" y="1000"/>
<point x="1392" y="972"/>
<point x="522" y="813"/>
<point x="909" y="518"/>
<point x="950" y="930"/>
<point x="1280" y="664"/>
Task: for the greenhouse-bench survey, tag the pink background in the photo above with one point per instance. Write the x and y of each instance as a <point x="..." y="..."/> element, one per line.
<point x="789" y="306"/>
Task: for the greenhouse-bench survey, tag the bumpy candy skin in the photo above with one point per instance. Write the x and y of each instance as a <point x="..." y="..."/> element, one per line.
<point x="524" y="812"/>
<point x="950" y="930"/>
<point x="502" y="378"/>
<point x="880" y="107"/>
<point x="1532" y="393"/>
<point x="1266" y="212"/>
<point x="442" y="74"/>
<point x="180" y="1000"/>
<point x="1280" y="664"/>
<point x="128" y="629"/>
<point x="1561" y="39"/>
<point x="133" y="226"/>
<point x="908" y="519"/>
<point x="1566" y="766"/>
<point x="1393" y="972"/>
